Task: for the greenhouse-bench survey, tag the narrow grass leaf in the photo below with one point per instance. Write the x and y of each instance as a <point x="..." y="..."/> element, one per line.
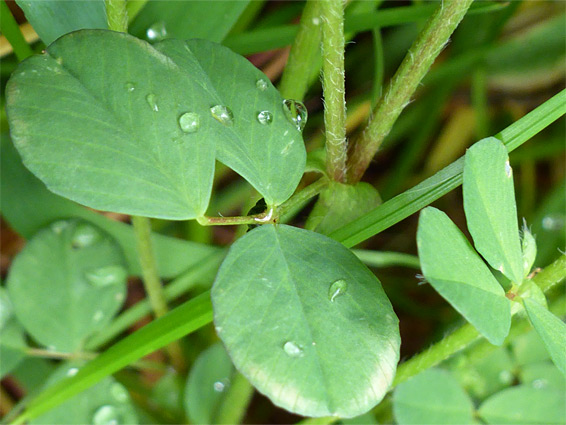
<point x="179" y="322"/>
<point x="491" y="211"/>
<point x="67" y="282"/>
<point x="432" y="397"/>
<point x="524" y="404"/>
<point x="457" y="273"/>
<point x="551" y="329"/>
<point x="291" y="306"/>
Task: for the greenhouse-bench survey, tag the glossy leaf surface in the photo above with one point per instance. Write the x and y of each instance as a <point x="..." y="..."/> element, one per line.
<point x="306" y="322"/>
<point x="432" y="397"/>
<point x="54" y="18"/>
<point x="524" y="404"/>
<point x="489" y="203"/>
<point x="457" y="273"/>
<point x="123" y="115"/>
<point x="107" y="402"/>
<point x="208" y="379"/>
<point x="551" y="329"/>
<point x="77" y="276"/>
<point x="28" y="206"/>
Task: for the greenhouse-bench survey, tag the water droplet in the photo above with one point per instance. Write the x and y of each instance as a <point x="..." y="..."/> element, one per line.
<point x="222" y="114"/>
<point x="539" y="383"/>
<point x="106" y="415"/>
<point x="508" y="169"/>
<point x="152" y="102"/>
<point x="220" y="386"/>
<point x="296" y="113"/>
<point x="84" y="235"/>
<point x="72" y="371"/>
<point x="336" y="289"/>
<point x="553" y="222"/>
<point x="265" y="117"/>
<point x="98" y="316"/>
<point x="119" y="297"/>
<point x="105" y="276"/>
<point x="261" y="84"/>
<point x="505" y="377"/>
<point x="316" y="20"/>
<point x="157" y="31"/>
<point x="130" y="87"/>
<point x="59" y="226"/>
<point x="119" y="393"/>
<point x="292" y="349"/>
<point x="189" y="122"/>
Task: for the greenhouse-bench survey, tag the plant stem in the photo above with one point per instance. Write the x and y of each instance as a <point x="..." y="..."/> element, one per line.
<point x="332" y="19"/>
<point x="300" y="198"/>
<point x="116" y="15"/>
<point x="11" y="31"/>
<point x="142" y="230"/>
<point x="420" y="57"/>
<point x="303" y="54"/>
<point x="379" y="67"/>
<point x="269" y="216"/>
<point x="467" y="334"/>
<point x="50" y="354"/>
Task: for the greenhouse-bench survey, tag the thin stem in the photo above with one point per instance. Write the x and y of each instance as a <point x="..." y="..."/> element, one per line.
<point x="379" y="67"/>
<point x="467" y="334"/>
<point x="269" y="216"/>
<point x="152" y="283"/>
<point x="420" y="57"/>
<point x="300" y="198"/>
<point x="480" y="102"/>
<point x="304" y="53"/>
<point x="11" y="31"/>
<point x="332" y="17"/>
<point x="116" y="15"/>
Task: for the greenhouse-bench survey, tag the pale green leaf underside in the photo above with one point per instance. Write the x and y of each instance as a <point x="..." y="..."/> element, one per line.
<point x="432" y="397"/>
<point x="524" y="404"/>
<point x="103" y="129"/>
<point x="551" y="329"/>
<point x="489" y="203"/>
<point x="50" y="290"/>
<point x="457" y="273"/>
<point x="311" y="350"/>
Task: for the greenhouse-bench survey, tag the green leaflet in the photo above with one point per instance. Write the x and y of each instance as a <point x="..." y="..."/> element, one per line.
<point x="340" y="203"/>
<point x="524" y="404"/>
<point x="306" y="322"/>
<point x="187" y="19"/>
<point x="111" y="130"/>
<point x="12" y="339"/>
<point x="489" y="203"/>
<point x="551" y="329"/>
<point x="102" y="403"/>
<point x="77" y="276"/>
<point x="54" y="18"/>
<point x="432" y="397"/>
<point x="208" y="379"/>
<point x="457" y="273"/>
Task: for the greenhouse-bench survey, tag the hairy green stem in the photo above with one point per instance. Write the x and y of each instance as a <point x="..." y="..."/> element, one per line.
<point x="304" y="50"/>
<point x="116" y="15"/>
<point x="420" y="57"/>
<point x="11" y="31"/>
<point x="467" y="334"/>
<point x="332" y="22"/>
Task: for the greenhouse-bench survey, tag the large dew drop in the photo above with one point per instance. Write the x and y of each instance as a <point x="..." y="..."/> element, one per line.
<point x="106" y="276"/>
<point x="296" y="113"/>
<point x="157" y="31"/>
<point x="292" y="349"/>
<point x="152" y="102"/>
<point x="336" y="289"/>
<point x="84" y="235"/>
<point x="265" y="117"/>
<point x="189" y="122"/>
<point x="106" y="415"/>
<point x="222" y="114"/>
<point x="261" y="84"/>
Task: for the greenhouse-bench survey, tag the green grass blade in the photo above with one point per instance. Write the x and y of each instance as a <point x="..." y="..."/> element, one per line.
<point x="11" y="31"/>
<point x="447" y="179"/>
<point x="179" y="322"/>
